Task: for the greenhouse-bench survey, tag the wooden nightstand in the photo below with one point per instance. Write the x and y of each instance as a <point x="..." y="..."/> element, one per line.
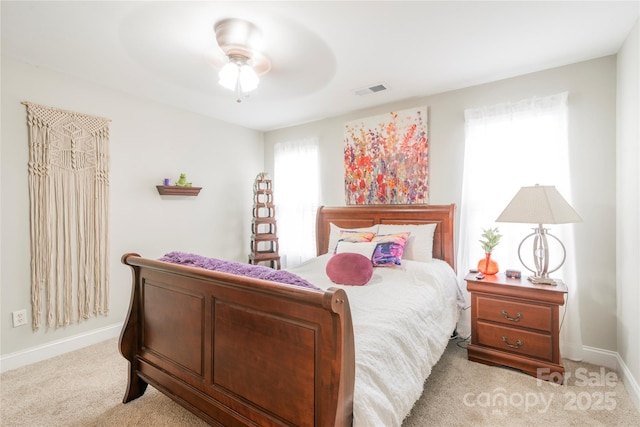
<point x="515" y="323"/>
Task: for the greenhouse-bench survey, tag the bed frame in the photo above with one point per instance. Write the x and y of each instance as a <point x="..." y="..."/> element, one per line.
<point x="238" y="351"/>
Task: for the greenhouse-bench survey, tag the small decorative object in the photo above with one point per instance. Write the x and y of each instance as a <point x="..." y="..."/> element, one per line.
<point x="490" y="240"/>
<point x="182" y="181"/>
<point x="181" y="188"/>
<point x="513" y="274"/>
<point x="260" y="181"/>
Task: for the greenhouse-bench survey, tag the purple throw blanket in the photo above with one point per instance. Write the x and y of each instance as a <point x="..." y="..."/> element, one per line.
<point x="248" y="270"/>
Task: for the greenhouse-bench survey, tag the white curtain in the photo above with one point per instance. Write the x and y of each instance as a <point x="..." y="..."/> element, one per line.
<point x="509" y="146"/>
<point x="296" y="192"/>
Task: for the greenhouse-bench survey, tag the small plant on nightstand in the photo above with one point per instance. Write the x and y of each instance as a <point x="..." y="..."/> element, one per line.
<point x="490" y="239"/>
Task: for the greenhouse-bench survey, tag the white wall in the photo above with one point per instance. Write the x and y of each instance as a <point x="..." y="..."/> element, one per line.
<point x="628" y="205"/>
<point x="148" y="142"/>
<point x="592" y="132"/>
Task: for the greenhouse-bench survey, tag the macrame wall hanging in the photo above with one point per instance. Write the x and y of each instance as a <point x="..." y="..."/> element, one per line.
<point x="69" y="208"/>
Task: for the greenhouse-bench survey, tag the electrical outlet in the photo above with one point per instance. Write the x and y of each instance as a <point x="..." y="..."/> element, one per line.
<point x="19" y="318"/>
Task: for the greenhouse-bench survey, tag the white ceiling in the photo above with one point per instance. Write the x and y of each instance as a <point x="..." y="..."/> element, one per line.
<point x="321" y="52"/>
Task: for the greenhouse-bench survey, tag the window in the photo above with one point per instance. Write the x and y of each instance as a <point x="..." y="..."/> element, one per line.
<point x="296" y="188"/>
<point x="508" y="146"/>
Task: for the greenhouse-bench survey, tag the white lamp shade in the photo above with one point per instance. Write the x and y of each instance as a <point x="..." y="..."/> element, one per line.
<point x="539" y="204"/>
<point x="232" y="72"/>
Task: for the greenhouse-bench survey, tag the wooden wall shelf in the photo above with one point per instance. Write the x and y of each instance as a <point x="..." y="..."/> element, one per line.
<point x="174" y="190"/>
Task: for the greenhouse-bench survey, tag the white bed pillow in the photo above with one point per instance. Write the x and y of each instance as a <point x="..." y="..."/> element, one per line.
<point x="362" y="248"/>
<point x="419" y="246"/>
<point x="334" y="234"/>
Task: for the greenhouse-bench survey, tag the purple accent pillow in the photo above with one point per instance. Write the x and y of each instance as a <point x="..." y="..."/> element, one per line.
<point x="389" y="249"/>
<point x="349" y="269"/>
<point x="238" y="268"/>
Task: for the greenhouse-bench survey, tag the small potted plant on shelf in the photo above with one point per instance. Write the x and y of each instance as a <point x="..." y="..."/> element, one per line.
<point x="490" y="239"/>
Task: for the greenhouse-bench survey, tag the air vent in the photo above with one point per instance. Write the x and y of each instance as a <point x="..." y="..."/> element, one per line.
<point x="371" y="89"/>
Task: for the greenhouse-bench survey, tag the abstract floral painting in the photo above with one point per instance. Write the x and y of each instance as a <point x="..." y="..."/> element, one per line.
<point x="386" y="159"/>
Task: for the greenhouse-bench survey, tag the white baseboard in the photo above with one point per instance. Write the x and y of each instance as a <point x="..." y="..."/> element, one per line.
<point x="56" y="348"/>
<point x="629" y="381"/>
<point x="600" y="357"/>
<point x="612" y="360"/>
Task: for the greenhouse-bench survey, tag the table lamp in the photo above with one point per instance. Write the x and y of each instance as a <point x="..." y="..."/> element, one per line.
<point x="540" y="205"/>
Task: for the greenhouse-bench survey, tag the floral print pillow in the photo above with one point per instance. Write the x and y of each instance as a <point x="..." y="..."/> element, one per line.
<point x="354" y="237"/>
<point x="389" y="249"/>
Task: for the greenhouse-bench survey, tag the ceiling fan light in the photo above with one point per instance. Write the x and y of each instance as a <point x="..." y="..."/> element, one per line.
<point x="228" y="76"/>
<point x="248" y="79"/>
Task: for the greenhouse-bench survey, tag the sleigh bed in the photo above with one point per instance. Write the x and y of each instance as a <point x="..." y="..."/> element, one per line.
<point x="238" y="351"/>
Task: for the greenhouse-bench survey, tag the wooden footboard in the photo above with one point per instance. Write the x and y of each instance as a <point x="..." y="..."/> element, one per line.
<point x="238" y="351"/>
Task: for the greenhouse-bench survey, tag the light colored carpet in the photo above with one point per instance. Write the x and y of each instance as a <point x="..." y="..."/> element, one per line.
<point x="85" y="388"/>
<point x="463" y="393"/>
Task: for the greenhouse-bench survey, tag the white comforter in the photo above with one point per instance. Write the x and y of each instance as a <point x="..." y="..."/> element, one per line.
<point x="402" y="321"/>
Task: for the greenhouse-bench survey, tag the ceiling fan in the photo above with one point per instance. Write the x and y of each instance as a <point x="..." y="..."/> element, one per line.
<point x="241" y="42"/>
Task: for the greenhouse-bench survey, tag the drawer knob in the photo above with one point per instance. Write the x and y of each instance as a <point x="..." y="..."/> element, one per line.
<point x="516" y="345"/>
<point x="513" y="319"/>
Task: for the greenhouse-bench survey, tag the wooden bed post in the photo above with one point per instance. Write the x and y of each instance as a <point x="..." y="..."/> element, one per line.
<point x="130" y="337"/>
<point x="344" y="410"/>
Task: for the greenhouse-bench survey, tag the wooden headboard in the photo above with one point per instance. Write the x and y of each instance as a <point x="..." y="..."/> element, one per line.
<point x="358" y="216"/>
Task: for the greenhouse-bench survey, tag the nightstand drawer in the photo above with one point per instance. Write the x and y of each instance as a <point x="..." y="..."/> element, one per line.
<point x="518" y="314"/>
<point x="515" y="340"/>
